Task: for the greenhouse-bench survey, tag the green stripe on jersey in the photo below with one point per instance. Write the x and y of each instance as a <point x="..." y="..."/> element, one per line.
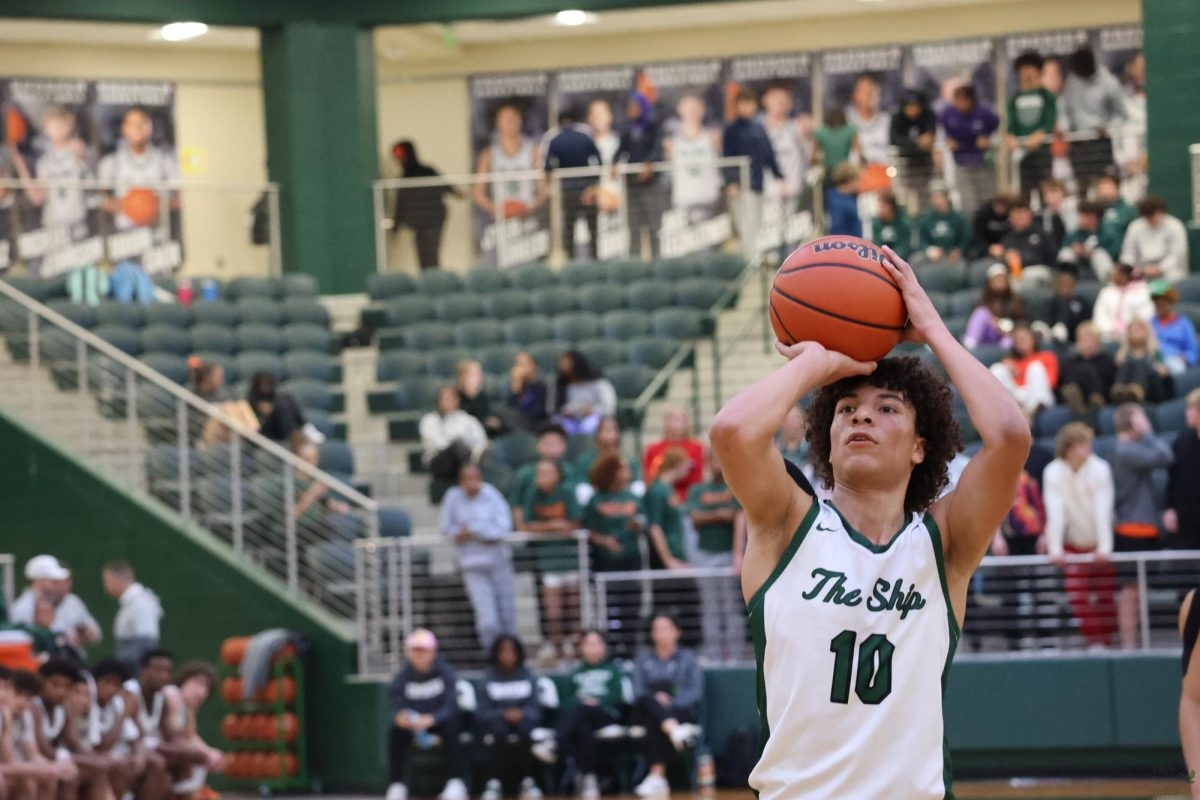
<point x="935" y="536"/>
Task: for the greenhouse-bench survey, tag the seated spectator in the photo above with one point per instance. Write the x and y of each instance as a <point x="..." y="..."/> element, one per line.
<point x="1181" y="519"/>
<point x="473" y="399"/>
<point x="1156" y="242"/>
<point x="721" y="543"/>
<point x="508" y="712"/>
<point x="1142" y="377"/>
<point x="999" y="309"/>
<point x="1029" y="373"/>
<point x="1082" y="247"/>
<point x="841" y="201"/>
<point x="668" y="687"/>
<point x="1029" y="250"/>
<point x="550" y="509"/>
<point x="1068" y="308"/>
<point x="50" y="579"/>
<point x="114" y="733"/>
<point x="208" y="382"/>
<point x="423" y="704"/>
<point x="526" y="393"/>
<point x="969" y="126"/>
<point x="476" y="518"/>
<point x="607" y="440"/>
<point x="614" y="529"/>
<point x="450" y="437"/>
<point x="193" y="686"/>
<point x="942" y="232"/>
<point x="582" y="395"/>
<point x="1021" y="532"/>
<point x="1175" y="333"/>
<point x="31" y="773"/>
<point x="139" y="612"/>
<point x="1124" y="299"/>
<point x="1078" y="493"/>
<point x="43" y="642"/>
<point x="552" y="446"/>
<point x="835" y="141"/>
<point x="792" y="438"/>
<point x="677" y="432"/>
<point x="891" y="227"/>
<point x="1049" y="218"/>
<point x="315" y="504"/>
<point x="279" y="415"/>
<point x="1116" y="214"/>
<point x="1088" y="374"/>
<point x="989" y="227"/>
<point x="1138" y="455"/>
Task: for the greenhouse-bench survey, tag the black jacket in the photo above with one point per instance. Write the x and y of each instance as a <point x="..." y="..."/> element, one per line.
<point x="1181" y="483"/>
<point x="430" y="692"/>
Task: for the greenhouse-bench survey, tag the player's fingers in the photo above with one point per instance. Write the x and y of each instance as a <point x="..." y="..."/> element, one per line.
<point x="895" y="261"/>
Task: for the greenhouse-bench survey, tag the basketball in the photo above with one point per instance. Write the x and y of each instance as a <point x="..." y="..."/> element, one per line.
<point x="834" y="291"/>
<point x="16" y="129"/>
<point x="514" y="208"/>
<point x="233" y="650"/>
<point x="140" y="205"/>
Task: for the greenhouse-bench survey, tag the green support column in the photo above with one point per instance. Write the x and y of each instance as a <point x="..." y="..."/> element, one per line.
<point x="1173" y="113"/>
<point x="319" y="90"/>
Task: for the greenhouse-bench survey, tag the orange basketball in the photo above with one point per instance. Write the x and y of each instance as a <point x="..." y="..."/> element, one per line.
<point x="835" y="291"/>
<point x="231" y="727"/>
<point x="231" y="690"/>
<point x="292" y="763"/>
<point x="287" y="651"/>
<point x="140" y="205"/>
<point x="233" y="649"/>
<point x="233" y="765"/>
<point x="514" y="208"/>
<point x="286" y="727"/>
<point x="287" y="691"/>
<point x="15" y="127"/>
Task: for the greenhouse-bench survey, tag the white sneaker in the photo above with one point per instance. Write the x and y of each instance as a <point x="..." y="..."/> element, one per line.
<point x="654" y="787"/>
<point x="455" y="790"/>
<point x="684" y="735"/>
<point x="590" y="789"/>
<point x="545" y="752"/>
<point x="609" y="732"/>
<point x="397" y="791"/>
<point x="493" y="791"/>
<point x="530" y="790"/>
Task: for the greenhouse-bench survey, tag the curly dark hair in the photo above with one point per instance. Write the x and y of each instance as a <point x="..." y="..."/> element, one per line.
<point x="931" y="399"/>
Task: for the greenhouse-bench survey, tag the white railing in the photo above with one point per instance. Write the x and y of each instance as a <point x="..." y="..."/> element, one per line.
<point x="1194" y="151"/>
<point x="143" y="430"/>
<point x="7" y="586"/>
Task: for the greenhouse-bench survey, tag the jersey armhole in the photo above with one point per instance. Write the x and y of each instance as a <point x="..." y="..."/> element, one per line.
<point x="935" y="538"/>
<point x="785" y="558"/>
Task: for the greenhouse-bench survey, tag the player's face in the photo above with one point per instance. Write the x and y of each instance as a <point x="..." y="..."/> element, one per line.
<point x="157" y="673"/>
<point x="873" y="438"/>
<point x="58" y="128"/>
<point x="691" y="110"/>
<point x="55" y="689"/>
<point x="777" y="103"/>
<point x="508" y="121"/>
<point x="195" y="691"/>
<point x="600" y="117"/>
<point x="421" y="658"/>
<point x="546" y="477"/>
<point x="593" y="648"/>
<point x="866" y="95"/>
<point x="106" y="689"/>
<point x="664" y="633"/>
<point x="136" y="129"/>
<point x="1029" y="78"/>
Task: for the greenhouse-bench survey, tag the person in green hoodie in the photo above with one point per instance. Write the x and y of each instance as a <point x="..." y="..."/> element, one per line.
<point x="943" y="233"/>
<point x="891" y="227"/>
<point x="1032" y="118"/>
<point x="1116" y="214"/>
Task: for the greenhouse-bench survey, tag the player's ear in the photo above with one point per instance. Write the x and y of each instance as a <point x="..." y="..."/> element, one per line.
<point x="918" y="454"/>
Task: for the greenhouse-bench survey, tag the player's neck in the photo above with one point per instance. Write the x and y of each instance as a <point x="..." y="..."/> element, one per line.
<point x="878" y="514"/>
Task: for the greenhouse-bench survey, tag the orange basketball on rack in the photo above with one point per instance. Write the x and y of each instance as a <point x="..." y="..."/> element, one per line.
<point x="287" y="726"/>
<point x="140" y="205"/>
<point x="231" y="691"/>
<point x="231" y="727"/>
<point x="233" y="650"/>
<point x="15" y="126"/>
<point x="287" y="651"/>
<point x="292" y="763"/>
<point x="285" y="689"/>
<point x="233" y="765"/>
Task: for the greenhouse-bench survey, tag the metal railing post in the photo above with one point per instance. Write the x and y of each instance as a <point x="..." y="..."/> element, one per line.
<point x="276" y="226"/>
<point x="381" y="259"/>
<point x="585" y="582"/>
<point x="185" y="459"/>
<point x="289" y="506"/>
<point x="716" y="367"/>
<point x="764" y="306"/>
<point x="403" y="623"/>
<point x="747" y="232"/>
<point x="131" y="423"/>
<point x="696" y="381"/>
<point x="602" y="604"/>
<point x="82" y="377"/>
<point x="360" y="610"/>
<point x="35" y="365"/>
<point x="235" y="492"/>
<point x="1143" y="603"/>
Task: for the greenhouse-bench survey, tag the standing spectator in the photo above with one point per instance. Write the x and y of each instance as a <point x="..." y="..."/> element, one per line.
<point x="912" y="132"/>
<point x="693" y="150"/>
<point x="608" y="193"/>
<point x="508" y="712"/>
<point x="593" y="704"/>
<point x="279" y="415"/>
<point x="870" y="121"/>
<point x="1068" y="308"/>
<point x="421" y="208"/>
<point x="1088" y="374"/>
<point x="551" y="446"/>
<point x="1082" y="247"/>
<point x="989" y="227"/>
<point x="423" y="703"/>
<point x="788" y="137"/>
<point x="1029" y="373"/>
<point x="1029" y="250"/>
<point x="1078" y="493"/>
<point x="677" y="432"/>
<point x="668" y="547"/>
<point x="969" y="126"/>
<point x="841" y="201"/>
<point x="606" y="441"/>
<point x="721" y="542"/>
<point x="999" y="309"/>
<point x="473" y="399"/>
<point x="835" y="141"/>
<point x="475" y="516"/>
<point x="1141" y="374"/>
<point x="891" y="226"/>
<point x="1181" y="519"/>
<point x="1116" y="215"/>
<point x="450" y="438"/>
<point x="526" y="393"/>
<point x="1175" y="333"/>
<point x="1021" y="532"/>
<point x="641" y="145"/>
<point x="1138" y="455"/>
<point x="745" y="136"/>
<point x="135" y="629"/>
<point x="942" y="233"/>
<point x="582" y="395"/>
<point x="1032" y="116"/>
<point x="1093" y="106"/>
<point x="1156" y="242"/>
<point x="668" y="686"/>
<point x="1049" y="218"/>
<point x="574" y="149"/>
<point x="614" y="528"/>
<point x="50" y="579"/>
<point x="1124" y="299"/>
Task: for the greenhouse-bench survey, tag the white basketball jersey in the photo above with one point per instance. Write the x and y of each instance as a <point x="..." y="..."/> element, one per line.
<point x="150" y="719"/>
<point x="853" y="641"/>
<point x="524" y="190"/>
<point x="130" y="170"/>
<point x="63" y="205"/>
<point x="695" y="180"/>
<point x="789" y="154"/>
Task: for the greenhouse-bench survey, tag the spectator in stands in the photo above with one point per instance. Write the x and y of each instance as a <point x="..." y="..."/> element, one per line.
<point x="943" y="234"/>
<point x="574" y="149"/>
<point x="279" y="415"/>
<point x="1156" y="242"/>
<point x="1137" y="456"/>
<point x="912" y="132"/>
<point x="551" y="445"/>
<point x="664" y="517"/>
<point x="677" y="432"/>
<point x="423" y="704"/>
<point x="1078" y="493"/>
<point x="582" y="395"/>
<point x="1082" y="247"/>
<point x="1124" y="299"/>
<point x="841" y="201"/>
<point x="1029" y="373"/>
<point x="614" y="524"/>
<point x="473" y="399"/>
<point x="450" y="437"/>
<point x="43" y="642"/>
<point x="999" y="309"/>
<point x="1175" y="333"/>
<point x="316" y="506"/>
<point x="476" y="518"/>
<point x="194" y="684"/>
<point x="668" y="686"/>
<point x="1093" y="106"/>
<point x="606" y="441"/>
<point x="1032" y="116"/>
<point x="745" y="136"/>
<point x="1050" y="217"/>
<point x="1116" y="215"/>
<point x="509" y="710"/>
<point x="1142" y="376"/>
<point x="139" y="612"/>
<point x="49" y="579"/>
<point x="595" y="702"/>
<point x="872" y="124"/>
<point x="526" y="393"/>
<point x="721" y="542"/>
<point x="647" y="200"/>
<point x="1029" y="250"/>
<point x="1068" y="308"/>
<point x="835" y="141"/>
<point x="1181" y="519"/>
<point x="208" y="382"/>
<point x="989" y="227"/>
<point x="421" y="208"/>
<point x="968" y="126"/>
<point x="1088" y="374"/>
<point x="1021" y="532"/>
<point x="891" y="226"/>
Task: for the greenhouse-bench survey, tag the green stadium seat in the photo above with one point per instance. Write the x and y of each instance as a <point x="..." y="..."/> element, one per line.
<point x="957" y="326"/>
<point x="604" y="353"/>
<point x="443" y="363"/>
<point x="1050" y="420"/>
<point x="394" y="523"/>
<point x="217" y="312"/>
<point x="1106" y="423"/>
<point x="584" y="273"/>
<point x="1187" y="382"/>
<point x="486" y="279"/>
<point x="576" y="326"/>
<point x="673" y="270"/>
<point x="977" y="272"/>
<point x="228" y="363"/>
<point x="515" y="449"/>
<point x="400" y="311"/>
<point x="945" y="278"/>
<point x="626" y="324"/>
<point x="322" y="422"/>
<point x="1189" y="288"/>
<point x="546" y="354"/>
<point x="629" y="380"/>
<point x="458" y="307"/>
<point x="312" y="366"/>
<point x="478" y="333"/>
<point x="40" y="289"/>
<point x="1089" y="291"/>
<point x="166" y="339"/>
<point x="305" y="309"/>
<point x="264" y="338"/>
<point x="172" y="367"/>
<point x="1037" y="303"/>
<point x="507" y="304"/>
<point x="123" y="337"/>
<point x="678" y="323"/>
<point x="81" y="315"/>
<point x="418" y="394"/>
<point x="941" y="301"/>
<point x="497" y="359"/>
<point x="257" y="311"/>
<point x="129" y="315"/>
<point x="336" y="457"/>
<point x="963" y="302"/>
<point x="249" y="363"/>
<point x="601" y="298"/>
<point x="532" y="276"/>
<point x="398" y="365"/>
<point x="437" y="282"/>
<point x="1191" y="311"/>
<point x="427" y="336"/>
<point x="385" y="285"/>
<point x="554" y="300"/>
<point x="624" y="273"/>
<point x="1171" y="416"/>
<point x="251" y="287"/>
<point x="298" y="284"/>
<point x="306" y="336"/>
<point x="526" y="330"/>
<point x="651" y="351"/>
<point x="649" y="295"/>
<point x="989" y="354"/>
<point x="723" y="267"/>
<point x="309" y="393"/>
<point x="699" y="293"/>
<point x="168" y="314"/>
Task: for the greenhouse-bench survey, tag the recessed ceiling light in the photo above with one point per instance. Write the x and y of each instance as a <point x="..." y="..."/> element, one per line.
<point x="182" y="31"/>
<point x="573" y="17"/>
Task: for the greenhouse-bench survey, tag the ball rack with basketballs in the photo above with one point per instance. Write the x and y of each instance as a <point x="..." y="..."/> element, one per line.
<point x="266" y="735"/>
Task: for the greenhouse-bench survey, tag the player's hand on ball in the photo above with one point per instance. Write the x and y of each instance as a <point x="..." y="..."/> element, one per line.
<point x="833" y="364"/>
<point x="923" y="318"/>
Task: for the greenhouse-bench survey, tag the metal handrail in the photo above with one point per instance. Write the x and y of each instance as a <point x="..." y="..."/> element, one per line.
<point x="7" y="586"/>
<point x="719" y="352"/>
<point x="180" y="185"/>
<point x="623" y="168"/>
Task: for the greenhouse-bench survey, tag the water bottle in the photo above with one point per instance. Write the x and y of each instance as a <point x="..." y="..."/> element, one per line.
<point x="423" y="739"/>
<point x="183" y="293"/>
<point x="706" y="771"/>
<point x="208" y="290"/>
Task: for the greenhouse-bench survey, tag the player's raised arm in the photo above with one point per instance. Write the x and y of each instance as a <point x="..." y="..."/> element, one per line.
<point x="970" y="515"/>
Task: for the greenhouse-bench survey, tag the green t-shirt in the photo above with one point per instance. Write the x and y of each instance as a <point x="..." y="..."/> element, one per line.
<point x="554" y="556"/>
<point x="1035" y="110"/>
<point x="1113" y="223"/>
<point x="599" y="681"/>
<point x="895" y="234"/>
<point x="661" y="510"/>
<point x="522" y="483"/>
<point x="836" y="143"/>
<point x="715" y="537"/>
<point x="948" y="231"/>
<point x="610" y="514"/>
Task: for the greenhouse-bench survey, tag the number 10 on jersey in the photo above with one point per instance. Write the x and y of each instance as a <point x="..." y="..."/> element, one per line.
<point x="873" y="681"/>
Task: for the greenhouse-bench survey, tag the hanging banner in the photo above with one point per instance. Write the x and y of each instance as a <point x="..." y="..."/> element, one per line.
<point x="865" y="84"/>
<point x="1054" y="46"/>
<point x="937" y="69"/>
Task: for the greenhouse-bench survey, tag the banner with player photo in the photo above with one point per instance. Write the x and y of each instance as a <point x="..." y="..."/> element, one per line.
<point x="865" y="84"/>
<point x="1054" y="46"/>
<point x="508" y="126"/>
<point x="1119" y="50"/>
<point x="938" y="69"/>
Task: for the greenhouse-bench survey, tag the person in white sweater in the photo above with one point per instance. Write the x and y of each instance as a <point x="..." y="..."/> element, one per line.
<point x="1156" y="242"/>
<point x="450" y="437"/>
<point x="1078" y="495"/>
<point x="1121" y="301"/>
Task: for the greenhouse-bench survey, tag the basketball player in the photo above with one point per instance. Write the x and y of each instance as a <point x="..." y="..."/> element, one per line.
<point x="62" y="207"/>
<point x="136" y="163"/>
<point x="509" y="151"/>
<point x="864" y="112"/>
<point x="693" y="148"/>
<point x="1189" y="700"/>
<point x="856" y="603"/>
<point x="788" y="142"/>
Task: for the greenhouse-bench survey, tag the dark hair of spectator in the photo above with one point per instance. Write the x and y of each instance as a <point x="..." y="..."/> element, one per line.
<point x="672" y="458"/>
<point x="889" y="199"/>
<point x="6" y="675"/>
<point x="1152" y="204"/>
<point x="60" y="667"/>
<point x="122" y="569"/>
<point x="967" y="92"/>
<point x="581" y="370"/>
<point x="506" y="104"/>
<point x="111" y="667"/>
<point x="1003" y="303"/>
<point x="202" y="373"/>
<point x="835" y="118"/>
<point x="593" y="632"/>
<point x="870" y="77"/>
<point x="26" y="684"/>
<point x="501" y="640"/>
<point x="603" y="474"/>
<point x="158" y="652"/>
<point x="1088" y="207"/>
<point x="1051" y="185"/>
<point x="1029" y="58"/>
<point x="1108" y="176"/>
<point x="552" y="427"/>
<point x="197" y="669"/>
<point x="746" y="95"/>
<point x="1019" y="202"/>
<point x="933" y="403"/>
<point x="557" y="467"/>
<point x="262" y="386"/>
<point x="1123" y="417"/>
<point x="1023" y="326"/>
<point x="567" y="116"/>
<point x="657" y="615"/>
<point x="1083" y="62"/>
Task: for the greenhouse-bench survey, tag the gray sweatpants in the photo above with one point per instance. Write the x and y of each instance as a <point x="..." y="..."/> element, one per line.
<point x="723" y="612"/>
<point x="493" y="599"/>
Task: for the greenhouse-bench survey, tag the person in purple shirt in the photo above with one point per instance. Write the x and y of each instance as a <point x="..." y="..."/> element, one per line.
<point x="968" y="126"/>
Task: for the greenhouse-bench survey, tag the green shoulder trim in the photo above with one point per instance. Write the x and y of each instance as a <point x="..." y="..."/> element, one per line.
<point x="935" y="538"/>
<point x="805" y="525"/>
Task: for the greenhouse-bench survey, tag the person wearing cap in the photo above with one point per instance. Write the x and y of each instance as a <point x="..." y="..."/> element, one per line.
<point x="1124" y="299"/>
<point x="912" y="133"/>
<point x="139" y="612"/>
<point x="423" y="704"/>
<point x="1156" y="242"/>
<point x="943" y="233"/>
<point x="1176" y="333"/>
<point x="49" y="578"/>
